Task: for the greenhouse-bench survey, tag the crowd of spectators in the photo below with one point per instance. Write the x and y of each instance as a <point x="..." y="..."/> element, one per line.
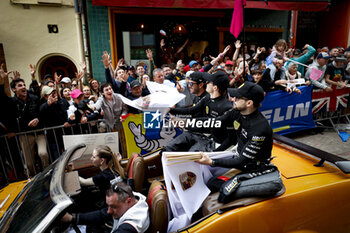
<point x="65" y="101"/>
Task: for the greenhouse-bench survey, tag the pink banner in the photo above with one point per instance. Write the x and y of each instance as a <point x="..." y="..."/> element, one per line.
<point x="315" y="74"/>
<point x="237" y="18"/>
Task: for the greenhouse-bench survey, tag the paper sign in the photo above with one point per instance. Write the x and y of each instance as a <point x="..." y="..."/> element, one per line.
<point x="161" y="98"/>
<point x="92" y="140"/>
<point x="293" y="83"/>
<point x="315" y="74"/>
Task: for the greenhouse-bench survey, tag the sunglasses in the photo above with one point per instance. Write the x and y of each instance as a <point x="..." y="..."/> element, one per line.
<point x="118" y="189"/>
<point x="191" y="84"/>
<point x="74" y="85"/>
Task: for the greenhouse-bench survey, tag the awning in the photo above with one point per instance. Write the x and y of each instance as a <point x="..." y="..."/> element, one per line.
<point x="311" y="5"/>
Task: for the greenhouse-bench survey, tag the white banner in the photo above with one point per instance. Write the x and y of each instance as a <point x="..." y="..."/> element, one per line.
<point x="92" y="140"/>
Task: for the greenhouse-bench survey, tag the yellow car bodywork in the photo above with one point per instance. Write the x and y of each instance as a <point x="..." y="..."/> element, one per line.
<point x="9" y="193"/>
<point x="317" y="199"/>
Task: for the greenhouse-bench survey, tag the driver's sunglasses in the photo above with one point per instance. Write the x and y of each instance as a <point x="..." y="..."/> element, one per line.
<point x="191" y="84"/>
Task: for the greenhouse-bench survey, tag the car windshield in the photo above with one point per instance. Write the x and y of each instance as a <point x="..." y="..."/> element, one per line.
<point x="33" y="204"/>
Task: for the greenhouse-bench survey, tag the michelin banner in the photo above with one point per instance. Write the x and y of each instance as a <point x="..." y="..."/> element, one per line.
<point x="146" y="132"/>
<point x="288" y="113"/>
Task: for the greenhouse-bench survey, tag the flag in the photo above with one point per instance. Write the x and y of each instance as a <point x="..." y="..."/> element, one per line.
<point x="237" y="18"/>
<point x="323" y="101"/>
<point x="315" y="74"/>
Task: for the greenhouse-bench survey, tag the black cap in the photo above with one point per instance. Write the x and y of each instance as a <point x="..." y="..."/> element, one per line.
<point x="206" y="58"/>
<point x="123" y="67"/>
<point x="341" y="58"/>
<point x="131" y="67"/>
<point x="296" y="52"/>
<point x="219" y="78"/>
<point x="249" y="90"/>
<point x="198" y="77"/>
<point x="134" y="84"/>
<point x="47" y="76"/>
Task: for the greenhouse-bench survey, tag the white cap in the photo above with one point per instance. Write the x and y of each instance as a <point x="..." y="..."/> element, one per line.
<point x="66" y="80"/>
<point x="188" y="73"/>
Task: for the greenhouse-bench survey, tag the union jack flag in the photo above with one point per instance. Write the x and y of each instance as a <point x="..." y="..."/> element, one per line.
<point x="323" y="101"/>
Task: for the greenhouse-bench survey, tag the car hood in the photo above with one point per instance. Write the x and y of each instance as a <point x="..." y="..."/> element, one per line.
<point x="9" y="193"/>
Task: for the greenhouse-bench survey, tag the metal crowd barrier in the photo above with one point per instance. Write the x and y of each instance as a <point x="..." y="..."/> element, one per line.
<point x="12" y="163"/>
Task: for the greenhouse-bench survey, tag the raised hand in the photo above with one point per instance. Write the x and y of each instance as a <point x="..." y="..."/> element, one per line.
<point x="16" y="75"/>
<point x="83" y="65"/>
<point x="238" y="44"/>
<point x="120" y="62"/>
<point x="32" y="70"/>
<point x="57" y="78"/>
<point x="162" y="43"/>
<point x="3" y="74"/>
<point x="179" y="87"/>
<point x="52" y="100"/>
<point x="259" y="50"/>
<point x="228" y="47"/>
<point x="79" y="75"/>
<point x="106" y="59"/>
<point x="306" y="46"/>
<point x="178" y="63"/>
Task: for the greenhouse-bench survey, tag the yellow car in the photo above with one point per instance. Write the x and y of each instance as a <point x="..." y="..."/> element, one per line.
<point x="316" y="197"/>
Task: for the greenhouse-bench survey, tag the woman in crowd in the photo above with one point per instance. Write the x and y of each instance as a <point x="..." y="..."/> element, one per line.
<point x="88" y="97"/>
<point x="292" y="73"/>
<point x="95" y="87"/>
<point x="66" y="97"/>
<point x="74" y="84"/>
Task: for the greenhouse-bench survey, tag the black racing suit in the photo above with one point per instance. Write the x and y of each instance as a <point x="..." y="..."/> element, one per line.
<point x="194" y="140"/>
<point x="196" y="98"/>
<point x="255" y="139"/>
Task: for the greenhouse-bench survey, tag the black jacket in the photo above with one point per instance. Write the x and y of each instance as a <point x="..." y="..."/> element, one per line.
<point x="23" y="111"/>
<point x="211" y="108"/>
<point x="254" y="136"/>
<point x="54" y="114"/>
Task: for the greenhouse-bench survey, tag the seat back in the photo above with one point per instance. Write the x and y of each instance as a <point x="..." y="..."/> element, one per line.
<point x="157" y="200"/>
<point x="136" y="172"/>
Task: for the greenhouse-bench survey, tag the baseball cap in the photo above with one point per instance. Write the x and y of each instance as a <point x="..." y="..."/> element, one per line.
<point x="325" y="49"/>
<point x="131" y="67"/>
<point x="47" y="90"/>
<point x="198" y="77"/>
<point x="206" y="58"/>
<point x="249" y="90"/>
<point x="76" y="93"/>
<point x="47" y="82"/>
<point x="341" y="58"/>
<point x="192" y="63"/>
<point x="187" y="68"/>
<point x="323" y="55"/>
<point x="219" y="78"/>
<point x="229" y="63"/>
<point x="65" y="80"/>
<point x="134" y="84"/>
<point x="188" y="73"/>
<point x="47" y="76"/>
